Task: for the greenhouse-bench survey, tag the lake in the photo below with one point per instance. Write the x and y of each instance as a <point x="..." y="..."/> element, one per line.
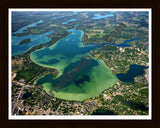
<point x="66" y="22"/>
<point x="21" y="30"/>
<point x="97" y="16"/>
<point x="58" y="17"/>
<point x="64" y="56"/>
<point x="134" y="70"/>
<point x="124" y="44"/>
<point x="26" y="95"/>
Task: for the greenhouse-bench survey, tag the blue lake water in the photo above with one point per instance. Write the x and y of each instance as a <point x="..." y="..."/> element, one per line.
<point x="124" y="44"/>
<point x="21" y="30"/>
<point x="97" y="16"/>
<point x="58" y="17"/>
<point x="35" y="40"/>
<point x="75" y="13"/>
<point x="134" y="70"/>
<point x="66" y="22"/>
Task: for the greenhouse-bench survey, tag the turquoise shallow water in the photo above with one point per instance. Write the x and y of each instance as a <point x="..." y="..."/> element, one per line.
<point x="66" y="55"/>
<point x="35" y="40"/>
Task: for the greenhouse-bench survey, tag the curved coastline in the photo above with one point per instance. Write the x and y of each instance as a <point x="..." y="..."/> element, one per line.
<point x="98" y="75"/>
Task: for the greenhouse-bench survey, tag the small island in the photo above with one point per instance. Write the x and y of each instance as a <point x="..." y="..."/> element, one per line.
<point x="25" y="41"/>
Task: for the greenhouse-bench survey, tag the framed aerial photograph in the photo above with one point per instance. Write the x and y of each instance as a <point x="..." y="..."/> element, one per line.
<point x="80" y="63"/>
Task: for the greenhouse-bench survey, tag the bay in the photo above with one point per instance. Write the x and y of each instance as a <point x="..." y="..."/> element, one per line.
<point x="64" y="56"/>
<point x="35" y="40"/>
